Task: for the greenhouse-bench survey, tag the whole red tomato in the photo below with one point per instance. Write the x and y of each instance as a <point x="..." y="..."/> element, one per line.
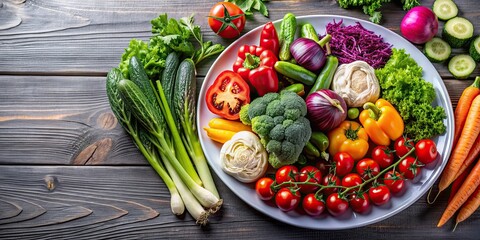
<point x="426" y="151"/>
<point x="309" y="174"/>
<point x="330" y="180"/>
<point x="359" y="202"/>
<point x="344" y="163"/>
<point x="383" y="155"/>
<point x="263" y="187"/>
<point x="226" y="19"/>
<point x="409" y="167"/>
<point x="367" y="168"/>
<point x="287" y="199"/>
<point x="288" y="173"/>
<point x="226" y="96"/>
<point x="403" y="145"/>
<point x="351" y="180"/>
<point x="336" y="204"/>
<point x="394" y="181"/>
<point x="312" y="205"/>
<point x="379" y="195"/>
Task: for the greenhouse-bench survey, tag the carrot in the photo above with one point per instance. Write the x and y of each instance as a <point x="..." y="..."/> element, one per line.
<point x="467" y="188"/>
<point x="463" y="106"/>
<point x="470" y="206"/>
<point x="458" y="183"/>
<point x="472" y="155"/>
<point x="469" y="134"/>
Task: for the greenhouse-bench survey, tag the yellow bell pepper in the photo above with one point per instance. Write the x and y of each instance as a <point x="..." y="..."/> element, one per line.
<point x="219" y="135"/>
<point x="382" y="122"/>
<point x="349" y="137"/>
<point x="221" y="130"/>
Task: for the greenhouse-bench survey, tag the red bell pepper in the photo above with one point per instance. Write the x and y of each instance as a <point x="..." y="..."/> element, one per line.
<point x="255" y="65"/>
<point x="269" y="38"/>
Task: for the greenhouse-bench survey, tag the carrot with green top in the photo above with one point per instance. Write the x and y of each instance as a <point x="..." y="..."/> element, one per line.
<point x="466" y="190"/>
<point x="463" y="106"/>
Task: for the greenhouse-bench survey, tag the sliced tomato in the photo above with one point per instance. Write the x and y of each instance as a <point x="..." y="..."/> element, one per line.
<point x="228" y="93"/>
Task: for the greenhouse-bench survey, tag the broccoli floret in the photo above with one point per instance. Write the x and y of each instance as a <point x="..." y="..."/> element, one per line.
<point x="279" y="120"/>
<point x="244" y="115"/>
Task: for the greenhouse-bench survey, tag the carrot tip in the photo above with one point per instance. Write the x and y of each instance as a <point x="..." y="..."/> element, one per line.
<point x="455" y="227"/>
<point x="428" y="196"/>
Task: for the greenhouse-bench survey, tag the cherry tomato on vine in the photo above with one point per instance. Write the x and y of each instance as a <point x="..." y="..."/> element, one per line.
<point x="312" y="205"/>
<point x="383" y="155"/>
<point x="287" y="199"/>
<point x="394" y="181"/>
<point x="351" y="180"/>
<point x="336" y="204"/>
<point x="367" y="168"/>
<point x="226" y="19"/>
<point x="426" y="151"/>
<point x="410" y="167"/>
<point x="263" y="187"/>
<point x="359" y="202"/>
<point x="379" y="195"/>
<point x="288" y="173"/>
<point x="344" y="163"/>
<point x="403" y="145"/>
<point x="309" y="174"/>
<point x="330" y="180"/>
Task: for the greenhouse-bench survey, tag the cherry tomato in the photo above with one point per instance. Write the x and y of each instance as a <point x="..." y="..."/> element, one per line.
<point x="403" y="145"/>
<point x="336" y="205"/>
<point x="426" y="151"/>
<point x="351" y="180"/>
<point x="288" y="173"/>
<point x="367" y="168"/>
<point x="228" y="93"/>
<point x="287" y="199"/>
<point x="394" y="181"/>
<point x="359" y="202"/>
<point x="344" y="163"/>
<point x="226" y="19"/>
<point x="409" y="167"/>
<point x="383" y="155"/>
<point x="312" y="205"/>
<point x="323" y="166"/>
<point x="264" y="189"/>
<point x="309" y="174"/>
<point x="330" y="180"/>
<point x="379" y="195"/>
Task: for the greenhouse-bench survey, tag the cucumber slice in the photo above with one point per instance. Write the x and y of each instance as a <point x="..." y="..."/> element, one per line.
<point x="445" y="9"/>
<point x="461" y="66"/>
<point x="437" y="50"/>
<point x="475" y="49"/>
<point x="457" y="32"/>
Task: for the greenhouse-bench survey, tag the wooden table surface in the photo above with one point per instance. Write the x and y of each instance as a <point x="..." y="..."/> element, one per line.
<point x="68" y="170"/>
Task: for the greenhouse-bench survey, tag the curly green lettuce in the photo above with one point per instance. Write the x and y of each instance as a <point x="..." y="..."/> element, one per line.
<point x="372" y="7"/>
<point x="402" y="85"/>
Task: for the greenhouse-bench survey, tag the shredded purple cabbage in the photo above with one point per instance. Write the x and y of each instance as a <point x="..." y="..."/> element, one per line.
<point x="352" y="43"/>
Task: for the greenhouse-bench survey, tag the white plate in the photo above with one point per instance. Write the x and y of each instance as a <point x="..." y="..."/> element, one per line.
<point x="415" y="189"/>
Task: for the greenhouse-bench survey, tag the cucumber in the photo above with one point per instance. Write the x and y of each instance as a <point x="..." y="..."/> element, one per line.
<point x="184" y="97"/>
<point x="475" y="49"/>
<point x="437" y="50"/>
<point x="457" y="32"/>
<point x="288" y="29"/>
<point x="308" y="31"/>
<point x="461" y="66"/>
<point x="168" y="76"/>
<point x="324" y="79"/>
<point x="445" y="9"/>
<point x="295" y="72"/>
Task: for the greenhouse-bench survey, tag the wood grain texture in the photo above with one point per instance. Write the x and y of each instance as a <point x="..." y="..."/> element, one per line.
<point x="132" y="203"/>
<point x="87" y="37"/>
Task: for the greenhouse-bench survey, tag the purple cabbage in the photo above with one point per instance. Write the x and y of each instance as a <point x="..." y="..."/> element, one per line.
<point x="352" y="43"/>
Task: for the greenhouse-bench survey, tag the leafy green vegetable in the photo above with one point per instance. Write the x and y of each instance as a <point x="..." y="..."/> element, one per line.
<point x="248" y="6"/>
<point x="372" y="7"/>
<point x="402" y="85"/>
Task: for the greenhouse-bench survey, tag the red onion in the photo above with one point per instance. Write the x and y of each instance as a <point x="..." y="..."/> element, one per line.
<point x="326" y="109"/>
<point x="308" y="54"/>
<point x="419" y="25"/>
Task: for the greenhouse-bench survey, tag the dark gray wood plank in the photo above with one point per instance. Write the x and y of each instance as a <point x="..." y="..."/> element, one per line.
<point x="67" y="120"/>
<point x="132" y="202"/>
<point x="87" y="38"/>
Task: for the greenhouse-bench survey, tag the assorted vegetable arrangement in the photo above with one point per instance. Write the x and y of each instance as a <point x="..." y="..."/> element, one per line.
<point x="153" y="95"/>
<point x="363" y="129"/>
